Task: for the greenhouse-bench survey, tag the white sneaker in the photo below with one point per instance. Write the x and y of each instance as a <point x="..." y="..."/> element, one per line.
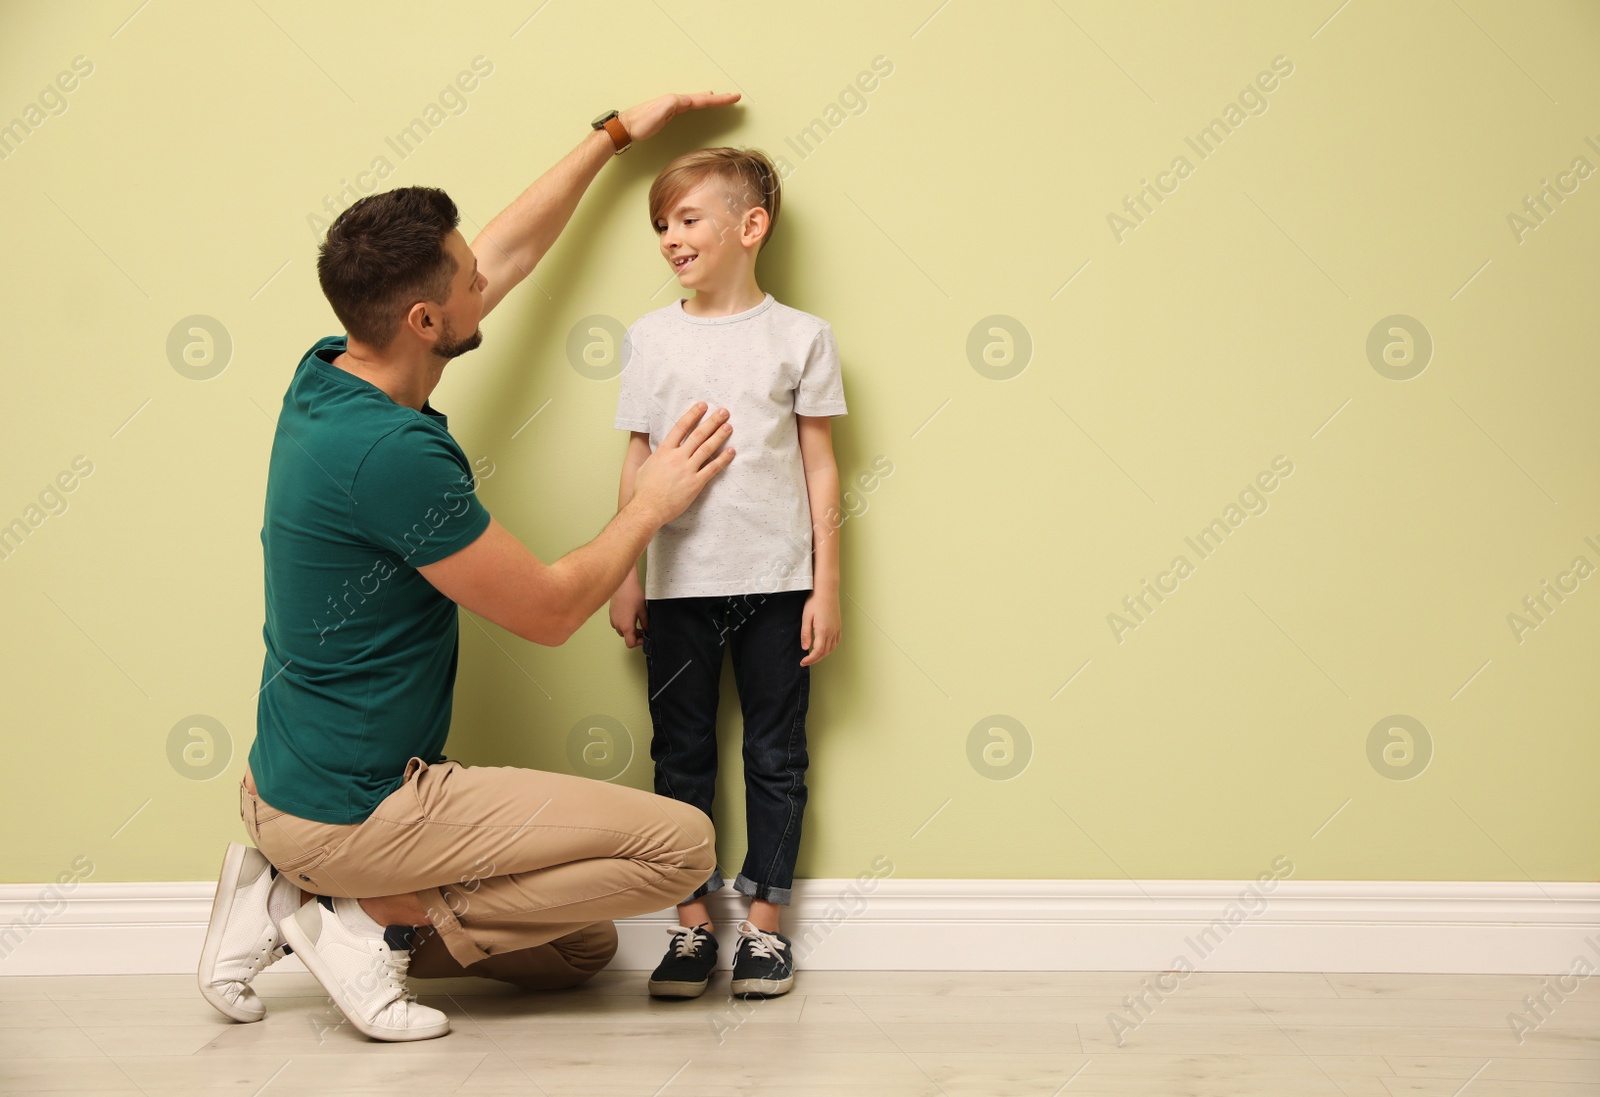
<point x="241" y="939"/>
<point x="364" y="973"/>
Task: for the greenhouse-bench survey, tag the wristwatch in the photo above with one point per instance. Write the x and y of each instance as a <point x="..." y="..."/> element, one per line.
<point x="613" y="126"/>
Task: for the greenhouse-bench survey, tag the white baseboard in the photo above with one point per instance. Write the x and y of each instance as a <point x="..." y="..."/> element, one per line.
<point x="961" y="925"/>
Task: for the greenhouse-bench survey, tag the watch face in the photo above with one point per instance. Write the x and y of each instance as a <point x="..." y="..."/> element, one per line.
<point x="607" y="116"/>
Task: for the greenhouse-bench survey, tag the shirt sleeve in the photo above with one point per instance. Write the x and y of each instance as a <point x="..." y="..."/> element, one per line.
<point x="632" y="414"/>
<point x="821" y="388"/>
<point x="415" y="495"/>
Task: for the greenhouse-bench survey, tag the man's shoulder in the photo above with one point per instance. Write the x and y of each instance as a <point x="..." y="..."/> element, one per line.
<point x="322" y="353"/>
<point x="338" y="422"/>
<point x="342" y="403"/>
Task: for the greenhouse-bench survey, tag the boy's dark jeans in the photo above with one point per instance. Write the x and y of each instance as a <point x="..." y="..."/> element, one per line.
<point x="683" y="650"/>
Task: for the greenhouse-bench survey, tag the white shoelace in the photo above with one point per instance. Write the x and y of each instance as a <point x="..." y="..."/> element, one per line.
<point x="762" y="943"/>
<point x="686" y="942"/>
<point x="395" y="964"/>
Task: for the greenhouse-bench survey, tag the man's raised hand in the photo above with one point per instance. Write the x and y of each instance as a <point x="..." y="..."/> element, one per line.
<point x="646" y="119"/>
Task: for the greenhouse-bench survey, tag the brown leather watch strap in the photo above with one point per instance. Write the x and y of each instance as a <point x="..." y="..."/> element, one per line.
<point x="619" y="133"/>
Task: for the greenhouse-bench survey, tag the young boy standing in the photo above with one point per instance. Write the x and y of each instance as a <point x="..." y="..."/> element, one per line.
<point x="753" y="564"/>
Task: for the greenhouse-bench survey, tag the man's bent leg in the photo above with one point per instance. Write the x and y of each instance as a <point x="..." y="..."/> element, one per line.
<point x="507" y="859"/>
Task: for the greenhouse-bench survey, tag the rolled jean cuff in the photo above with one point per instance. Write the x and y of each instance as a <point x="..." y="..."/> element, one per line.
<point x="746" y="886"/>
<point x="715" y="883"/>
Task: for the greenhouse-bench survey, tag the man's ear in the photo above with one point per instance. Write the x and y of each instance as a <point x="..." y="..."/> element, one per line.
<point x="419" y="319"/>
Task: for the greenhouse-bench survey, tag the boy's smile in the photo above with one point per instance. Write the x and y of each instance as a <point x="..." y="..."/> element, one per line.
<point x="697" y="236"/>
<point x="711" y="241"/>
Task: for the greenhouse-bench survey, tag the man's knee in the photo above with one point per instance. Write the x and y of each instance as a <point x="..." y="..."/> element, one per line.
<point x="698" y="849"/>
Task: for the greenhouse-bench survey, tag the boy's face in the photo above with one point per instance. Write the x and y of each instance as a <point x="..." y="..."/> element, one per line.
<point x="704" y="241"/>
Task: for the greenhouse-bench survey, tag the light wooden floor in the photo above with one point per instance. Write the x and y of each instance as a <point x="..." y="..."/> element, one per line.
<point x="839" y="1034"/>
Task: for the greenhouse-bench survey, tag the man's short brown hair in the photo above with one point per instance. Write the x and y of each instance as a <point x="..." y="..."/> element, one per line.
<point x="385" y="253"/>
<point x="749" y="178"/>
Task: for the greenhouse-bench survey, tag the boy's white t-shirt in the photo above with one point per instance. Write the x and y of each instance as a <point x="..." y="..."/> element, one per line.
<point x="749" y="531"/>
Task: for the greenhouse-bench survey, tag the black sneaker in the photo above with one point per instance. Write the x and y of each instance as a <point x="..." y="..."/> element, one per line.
<point x="688" y="964"/>
<point x="763" y="963"/>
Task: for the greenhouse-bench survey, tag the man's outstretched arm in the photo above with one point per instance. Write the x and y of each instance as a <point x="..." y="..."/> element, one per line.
<point x="512" y="244"/>
<point x="498" y="578"/>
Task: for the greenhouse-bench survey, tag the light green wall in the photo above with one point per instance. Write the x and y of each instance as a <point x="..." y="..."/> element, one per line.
<point x="1168" y="369"/>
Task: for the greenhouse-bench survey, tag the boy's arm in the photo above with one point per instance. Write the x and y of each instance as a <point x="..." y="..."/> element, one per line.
<point x="638" y="451"/>
<point x="820" y="628"/>
<point x="628" y="612"/>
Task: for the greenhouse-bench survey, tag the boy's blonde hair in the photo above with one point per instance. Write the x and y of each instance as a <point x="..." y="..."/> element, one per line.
<point x="750" y="178"/>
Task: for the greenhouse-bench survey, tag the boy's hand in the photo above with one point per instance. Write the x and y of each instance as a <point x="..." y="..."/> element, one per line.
<point x="628" y="614"/>
<point x="646" y="119"/>
<point x="819" y="626"/>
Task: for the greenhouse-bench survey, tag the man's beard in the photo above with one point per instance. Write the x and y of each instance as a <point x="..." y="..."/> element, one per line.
<point x="449" y="347"/>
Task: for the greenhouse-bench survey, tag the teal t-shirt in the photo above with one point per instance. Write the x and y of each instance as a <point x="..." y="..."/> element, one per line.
<point x="361" y="649"/>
